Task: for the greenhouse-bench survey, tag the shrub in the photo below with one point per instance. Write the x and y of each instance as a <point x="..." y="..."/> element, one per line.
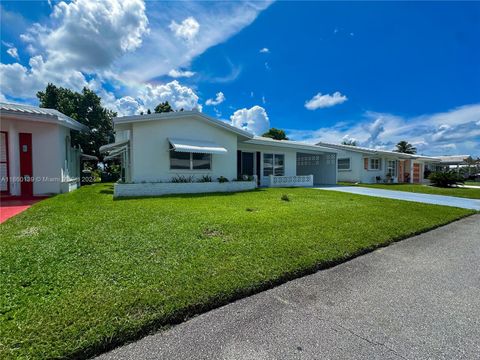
<point x="285" y="197"/>
<point x="205" y="178"/>
<point x="445" y="179"/>
<point x="183" y="179"/>
<point x="222" y="179"/>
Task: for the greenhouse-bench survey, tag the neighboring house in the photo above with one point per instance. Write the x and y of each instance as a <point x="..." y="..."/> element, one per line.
<point x="451" y="162"/>
<point x="364" y="165"/>
<point x="156" y="148"/>
<point x="36" y="157"/>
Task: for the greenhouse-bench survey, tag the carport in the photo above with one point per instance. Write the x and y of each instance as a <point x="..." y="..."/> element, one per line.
<point x="321" y="165"/>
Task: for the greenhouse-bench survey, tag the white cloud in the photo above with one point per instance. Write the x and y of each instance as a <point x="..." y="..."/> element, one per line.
<point x="114" y="42"/>
<point x="21" y="82"/>
<point x="91" y="35"/>
<point x="264" y="50"/>
<point x="180" y="73"/>
<point x="254" y="120"/>
<point x="187" y="30"/>
<point x="219" y="98"/>
<point x="13" y="52"/>
<point x="324" y="101"/>
<point x="162" y="51"/>
<point x="446" y="133"/>
<point x="88" y="36"/>
<point x="267" y="67"/>
<point x="149" y="96"/>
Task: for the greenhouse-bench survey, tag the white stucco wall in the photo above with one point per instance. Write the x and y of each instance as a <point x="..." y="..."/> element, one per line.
<point x="150" y="149"/>
<point x="48" y="154"/>
<point x="356" y="166"/>
<point x="357" y="172"/>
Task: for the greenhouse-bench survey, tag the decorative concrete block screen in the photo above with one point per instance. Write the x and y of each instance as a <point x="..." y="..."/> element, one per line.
<point x="157" y="189"/>
<point x="286" y="181"/>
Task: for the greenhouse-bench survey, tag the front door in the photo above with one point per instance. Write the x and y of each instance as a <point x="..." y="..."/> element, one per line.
<point x="4" y="181"/>
<point x="26" y="166"/>
<point x="247" y="163"/>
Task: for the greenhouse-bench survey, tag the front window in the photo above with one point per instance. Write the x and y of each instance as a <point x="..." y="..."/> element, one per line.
<point x="344" y="164"/>
<point x="374" y="164"/>
<point x="392" y="167"/>
<point x="273" y="164"/>
<point x="190" y="161"/>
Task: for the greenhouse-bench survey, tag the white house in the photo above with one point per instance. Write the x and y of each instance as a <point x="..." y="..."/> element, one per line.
<point x="158" y="149"/>
<point x="364" y="165"/>
<point x="36" y="157"/>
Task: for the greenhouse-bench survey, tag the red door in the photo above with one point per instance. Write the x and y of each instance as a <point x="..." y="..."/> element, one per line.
<point x="26" y="167"/>
<point x="4" y="180"/>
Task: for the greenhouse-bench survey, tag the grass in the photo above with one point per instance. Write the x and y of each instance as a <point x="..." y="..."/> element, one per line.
<point x="81" y="273"/>
<point x="474" y="183"/>
<point x="425" y="189"/>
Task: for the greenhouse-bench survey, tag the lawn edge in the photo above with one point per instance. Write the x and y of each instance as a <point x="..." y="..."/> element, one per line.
<point x="216" y="302"/>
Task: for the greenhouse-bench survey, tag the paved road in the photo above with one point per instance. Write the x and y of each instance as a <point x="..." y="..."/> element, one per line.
<point x="409" y="196"/>
<point x="416" y="299"/>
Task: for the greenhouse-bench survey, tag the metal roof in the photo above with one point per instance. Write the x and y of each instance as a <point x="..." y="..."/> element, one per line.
<point x="365" y="150"/>
<point x="34" y="113"/>
<point x="261" y="140"/>
<point x="181" y="114"/>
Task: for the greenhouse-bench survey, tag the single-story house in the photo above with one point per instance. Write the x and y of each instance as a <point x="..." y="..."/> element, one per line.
<point x="159" y="150"/>
<point x="36" y="156"/>
<point x="363" y="165"/>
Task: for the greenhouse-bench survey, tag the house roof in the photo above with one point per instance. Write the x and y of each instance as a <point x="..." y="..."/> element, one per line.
<point x="260" y="140"/>
<point x="453" y="159"/>
<point x="179" y="115"/>
<point x="34" y="113"/>
<point x="370" y="151"/>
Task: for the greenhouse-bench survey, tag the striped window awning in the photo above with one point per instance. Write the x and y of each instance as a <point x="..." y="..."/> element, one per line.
<point x="196" y="146"/>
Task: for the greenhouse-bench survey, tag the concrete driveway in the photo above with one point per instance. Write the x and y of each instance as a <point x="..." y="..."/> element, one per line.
<point x="416" y="299"/>
<point x="408" y="196"/>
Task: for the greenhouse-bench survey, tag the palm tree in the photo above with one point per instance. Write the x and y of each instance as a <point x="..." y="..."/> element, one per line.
<point x="406" y="148"/>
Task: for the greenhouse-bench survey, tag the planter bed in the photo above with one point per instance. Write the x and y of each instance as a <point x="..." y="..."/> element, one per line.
<point x="157" y="189"/>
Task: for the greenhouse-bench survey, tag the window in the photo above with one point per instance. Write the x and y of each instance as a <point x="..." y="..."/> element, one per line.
<point x="392" y="167"/>
<point x="273" y="164"/>
<point x="190" y="161"/>
<point x="374" y="164"/>
<point x="201" y="161"/>
<point x="344" y="164"/>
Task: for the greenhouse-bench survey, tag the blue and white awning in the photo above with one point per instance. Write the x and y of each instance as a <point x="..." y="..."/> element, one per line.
<point x="196" y="146"/>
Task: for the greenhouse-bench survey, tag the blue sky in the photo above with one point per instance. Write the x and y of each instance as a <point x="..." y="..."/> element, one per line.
<point x="376" y="72"/>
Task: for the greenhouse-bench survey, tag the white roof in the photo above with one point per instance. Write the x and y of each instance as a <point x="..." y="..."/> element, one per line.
<point x="454" y="159"/>
<point x="181" y="114"/>
<point x="370" y="151"/>
<point x="260" y="140"/>
<point x="196" y="146"/>
<point x="34" y="113"/>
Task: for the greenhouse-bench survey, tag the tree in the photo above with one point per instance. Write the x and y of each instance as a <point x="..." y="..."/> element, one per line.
<point x="86" y="108"/>
<point x="163" y="107"/>
<point x="406" y="148"/>
<point x="276" y="134"/>
<point x="350" y="142"/>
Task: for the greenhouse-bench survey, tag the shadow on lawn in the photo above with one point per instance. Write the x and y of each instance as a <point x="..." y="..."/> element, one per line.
<point x="188" y="196"/>
<point x="186" y="313"/>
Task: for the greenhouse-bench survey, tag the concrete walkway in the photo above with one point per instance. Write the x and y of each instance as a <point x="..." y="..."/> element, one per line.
<point x="416" y="299"/>
<point x="408" y="196"/>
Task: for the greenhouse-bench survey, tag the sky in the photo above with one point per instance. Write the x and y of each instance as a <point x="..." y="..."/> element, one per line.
<point x="373" y="72"/>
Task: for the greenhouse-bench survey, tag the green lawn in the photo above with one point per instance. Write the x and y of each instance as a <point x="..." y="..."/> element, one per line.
<point x="81" y="273"/>
<point x="425" y="189"/>
<point x="474" y="183"/>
